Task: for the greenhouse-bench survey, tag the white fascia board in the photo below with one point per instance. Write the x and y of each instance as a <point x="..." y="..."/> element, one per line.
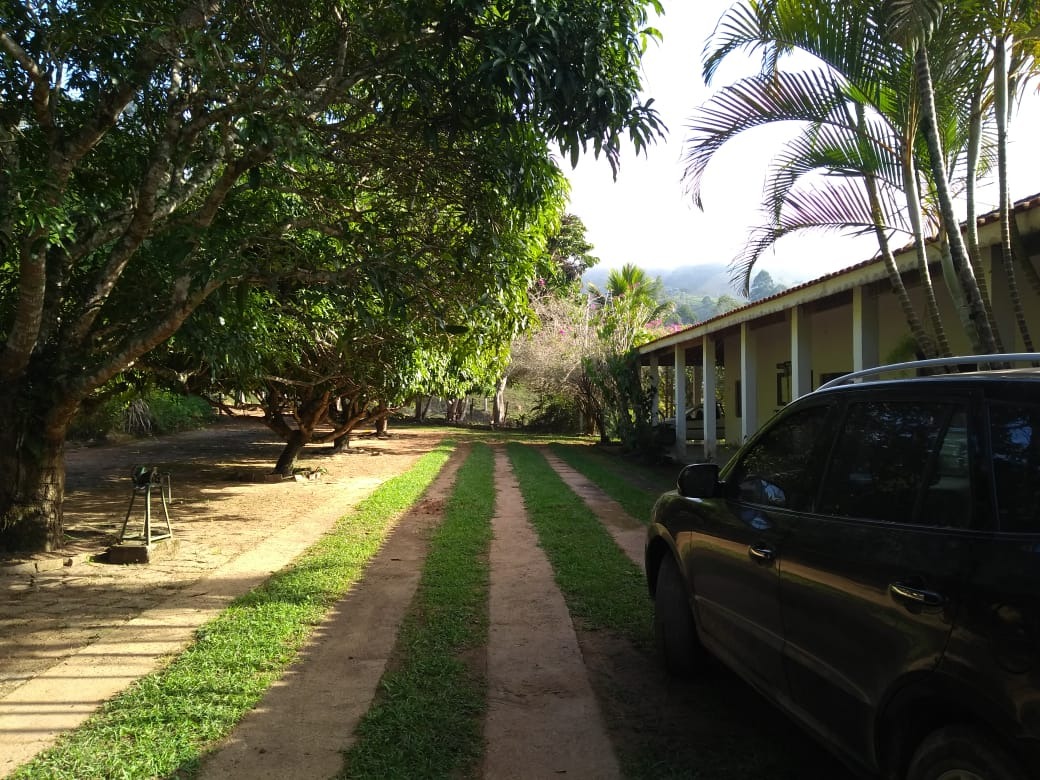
<point x="840" y="281"/>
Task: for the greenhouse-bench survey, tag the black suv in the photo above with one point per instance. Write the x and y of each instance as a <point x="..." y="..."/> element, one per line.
<point x="870" y="561"/>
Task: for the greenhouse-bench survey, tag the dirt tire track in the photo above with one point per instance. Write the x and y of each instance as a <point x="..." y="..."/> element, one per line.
<point x="543" y="719"/>
<point x="307" y="719"/>
<point x="627" y="531"/>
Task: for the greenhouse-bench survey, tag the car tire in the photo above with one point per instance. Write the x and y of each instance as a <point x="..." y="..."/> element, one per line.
<point x="674" y="629"/>
<point x="962" y="753"/>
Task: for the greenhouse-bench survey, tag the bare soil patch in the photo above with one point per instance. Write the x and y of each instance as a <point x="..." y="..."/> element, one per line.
<point x="224" y="511"/>
<point x="307" y="719"/>
<point x="222" y="507"/>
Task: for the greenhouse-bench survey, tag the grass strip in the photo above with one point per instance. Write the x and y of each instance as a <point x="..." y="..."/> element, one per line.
<point x="615" y="478"/>
<point x="601" y="585"/>
<point x="657" y="736"/>
<point x="161" y="724"/>
<point x="428" y="719"/>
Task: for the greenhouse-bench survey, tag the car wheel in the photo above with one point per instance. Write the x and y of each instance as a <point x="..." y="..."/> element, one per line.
<point x="962" y="753"/>
<point x="674" y="629"/>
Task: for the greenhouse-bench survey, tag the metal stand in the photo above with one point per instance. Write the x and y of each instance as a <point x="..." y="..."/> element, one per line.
<point x="146" y="480"/>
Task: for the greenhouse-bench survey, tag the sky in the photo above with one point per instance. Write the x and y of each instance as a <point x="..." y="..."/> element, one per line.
<point x="644" y="218"/>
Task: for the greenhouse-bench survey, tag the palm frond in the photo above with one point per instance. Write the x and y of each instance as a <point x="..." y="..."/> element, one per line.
<point x="821" y="28"/>
<point x="742" y="27"/>
<point x="811" y="96"/>
<point x="836" y="205"/>
<point x="836" y="151"/>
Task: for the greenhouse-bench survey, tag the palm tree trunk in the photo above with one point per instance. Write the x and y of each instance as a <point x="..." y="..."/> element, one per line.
<point x="1000" y="85"/>
<point x="958" y="252"/>
<point x="960" y="300"/>
<point x="925" y="343"/>
<point x="913" y="204"/>
<point x="971" y="231"/>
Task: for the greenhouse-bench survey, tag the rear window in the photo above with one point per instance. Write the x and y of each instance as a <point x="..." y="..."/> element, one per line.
<point x="1015" y="439"/>
<point x="901" y="462"/>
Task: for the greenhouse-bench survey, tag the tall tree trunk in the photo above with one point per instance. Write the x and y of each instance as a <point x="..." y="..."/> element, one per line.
<point x="381" y="420"/>
<point x="32" y="468"/>
<point x="1000" y="89"/>
<point x="958" y="252"/>
<point x="32" y="494"/>
<point x="960" y="299"/>
<point x="419" y="409"/>
<point x="310" y="413"/>
<point x="455" y="409"/>
<point x="341" y="443"/>
<point x="913" y="202"/>
<point x="498" y="410"/>
<point x="971" y="232"/>
<point x="924" y="342"/>
<point x="293" y="447"/>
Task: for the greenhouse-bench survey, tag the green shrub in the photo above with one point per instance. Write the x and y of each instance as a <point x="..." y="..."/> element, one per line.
<point x="153" y="412"/>
<point x="172" y="413"/>
<point x="554" y="413"/>
<point x="97" y="420"/>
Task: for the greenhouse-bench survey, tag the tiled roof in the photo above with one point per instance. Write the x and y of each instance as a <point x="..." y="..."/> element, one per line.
<point x="1026" y="204"/>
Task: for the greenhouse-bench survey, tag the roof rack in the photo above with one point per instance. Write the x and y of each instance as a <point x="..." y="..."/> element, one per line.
<point x="857" y="376"/>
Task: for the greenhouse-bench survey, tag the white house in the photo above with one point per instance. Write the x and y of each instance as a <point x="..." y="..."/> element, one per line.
<point x="779" y="348"/>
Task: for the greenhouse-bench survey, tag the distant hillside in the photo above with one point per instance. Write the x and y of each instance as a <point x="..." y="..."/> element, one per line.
<point x="710" y="279"/>
<point x="699" y="292"/>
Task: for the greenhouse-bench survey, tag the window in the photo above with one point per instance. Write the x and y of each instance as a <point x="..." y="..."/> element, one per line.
<point x="783" y="388"/>
<point x="1015" y="437"/>
<point x="777" y="469"/>
<point x="901" y="461"/>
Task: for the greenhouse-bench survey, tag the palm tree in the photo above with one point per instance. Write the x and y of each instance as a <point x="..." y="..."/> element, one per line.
<point x="864" y="114"/>
<point x="631" y="300"/>
<point x="839" y="136"/>
<point x="1002" y="27"/>
<point x="911" y="23"/>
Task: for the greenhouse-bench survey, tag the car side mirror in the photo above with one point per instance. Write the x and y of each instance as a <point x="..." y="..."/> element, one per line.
<point x="699" y="480"/>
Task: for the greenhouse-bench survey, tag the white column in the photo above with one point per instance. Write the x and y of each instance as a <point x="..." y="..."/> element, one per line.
<point x="680" y="401"/>
<point x="748" y="381"/>
<point x="655" y="390"/>
<point x="864" y="328"/>
<point x="801" y="352"/>
<point x="708" y="377"/>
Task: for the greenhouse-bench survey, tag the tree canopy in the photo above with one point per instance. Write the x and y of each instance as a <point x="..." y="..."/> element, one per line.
<point x="153" y="153"/>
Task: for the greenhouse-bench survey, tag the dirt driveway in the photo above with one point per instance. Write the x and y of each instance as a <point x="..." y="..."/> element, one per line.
<point x="71" y="636"/>
<point x="65" y="616"/>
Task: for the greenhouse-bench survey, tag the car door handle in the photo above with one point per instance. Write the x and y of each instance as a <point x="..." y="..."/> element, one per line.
<point x="761" y="554"/>
<point x="919" y="596"/>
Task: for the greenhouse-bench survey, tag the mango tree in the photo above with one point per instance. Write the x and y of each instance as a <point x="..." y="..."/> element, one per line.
<point x="126" y="127"/>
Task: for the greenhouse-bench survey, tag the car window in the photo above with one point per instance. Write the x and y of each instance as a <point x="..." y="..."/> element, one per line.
<point x="1015" y="437"/>
<point x="776" y="470"/>
<point x="947" y="492"/>
<point x="891" y="455"/>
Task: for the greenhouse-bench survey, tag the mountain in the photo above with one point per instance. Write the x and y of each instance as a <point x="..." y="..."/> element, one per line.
<point x="703" y="279"/>
<point x="699" y="292"/>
